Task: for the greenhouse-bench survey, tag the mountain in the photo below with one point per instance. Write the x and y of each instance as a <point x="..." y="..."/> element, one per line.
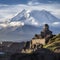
<point x="19" y="16"/>
<point x="44" y="16"/>
<point x="35" y="17"/>
<point x="19" y="34"/>
<point x="26" y="24"/>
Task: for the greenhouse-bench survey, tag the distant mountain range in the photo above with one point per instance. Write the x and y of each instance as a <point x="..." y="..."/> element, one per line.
<point x="26" y="24"/>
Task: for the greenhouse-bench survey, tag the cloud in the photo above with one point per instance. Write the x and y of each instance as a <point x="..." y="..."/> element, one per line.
<point x="56" y="23"/>
<point x="32" y="21"/>
<point x="11" y="24"/>
<point x="3" y="25"/>
<point x="16" y="24"/>
<point x="33" y="3"/>
<point x="9" y="11"/>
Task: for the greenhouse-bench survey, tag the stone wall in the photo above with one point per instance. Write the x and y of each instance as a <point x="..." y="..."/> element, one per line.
<point x="37" y="42"/>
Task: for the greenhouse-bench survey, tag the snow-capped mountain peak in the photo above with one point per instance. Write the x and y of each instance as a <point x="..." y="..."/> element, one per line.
<point x="21" y="16"/>
<point x="35" y="17"/>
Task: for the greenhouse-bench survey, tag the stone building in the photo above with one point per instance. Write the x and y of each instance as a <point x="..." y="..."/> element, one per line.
<point x="42" y="38"/>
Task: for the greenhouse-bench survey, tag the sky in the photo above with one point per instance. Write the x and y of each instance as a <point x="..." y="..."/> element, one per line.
<point x="9" y="8"/>
<point x="26" y="1"/>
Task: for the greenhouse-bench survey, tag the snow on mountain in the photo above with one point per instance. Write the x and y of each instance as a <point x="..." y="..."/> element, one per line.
<point x="35" y="17"/>
<point x="23" y="15"/>
<point x="44" y="16"/>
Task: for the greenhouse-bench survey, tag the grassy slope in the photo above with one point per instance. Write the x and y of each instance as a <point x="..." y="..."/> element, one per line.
<point x="54" y="43"/>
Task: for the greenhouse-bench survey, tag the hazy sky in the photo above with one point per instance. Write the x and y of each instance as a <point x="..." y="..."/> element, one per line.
<point x="9" y="8"/>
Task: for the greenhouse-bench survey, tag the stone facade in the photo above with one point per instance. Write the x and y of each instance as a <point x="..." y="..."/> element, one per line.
<point x="37" y="42"/>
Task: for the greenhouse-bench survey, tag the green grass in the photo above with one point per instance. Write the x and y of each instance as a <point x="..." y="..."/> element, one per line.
<point x="53" y="43"/>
